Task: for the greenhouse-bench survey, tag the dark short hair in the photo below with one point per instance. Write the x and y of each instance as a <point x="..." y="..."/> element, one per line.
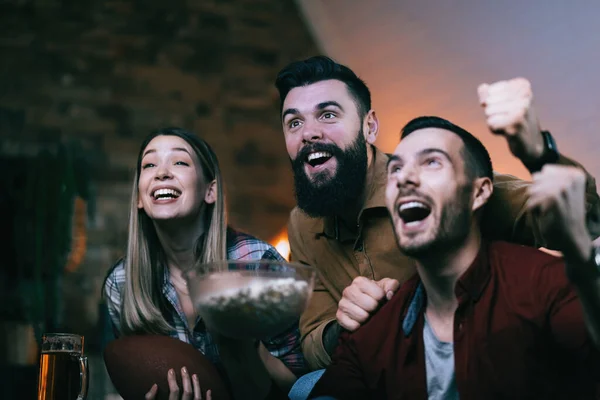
<point x="477" y="159"/>
<point x="322" y="68"/>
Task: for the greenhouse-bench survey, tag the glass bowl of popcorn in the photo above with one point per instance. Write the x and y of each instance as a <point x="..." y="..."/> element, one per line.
<point x="250" y="299"/>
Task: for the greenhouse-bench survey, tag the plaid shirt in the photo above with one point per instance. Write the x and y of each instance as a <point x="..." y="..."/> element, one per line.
<point x="240" y="246"/>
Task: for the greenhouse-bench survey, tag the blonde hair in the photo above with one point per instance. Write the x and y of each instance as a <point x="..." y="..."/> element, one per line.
<point x="142" y="303"/>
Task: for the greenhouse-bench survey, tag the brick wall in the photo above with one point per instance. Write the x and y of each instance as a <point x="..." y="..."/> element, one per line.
<point x="107" y="72"/>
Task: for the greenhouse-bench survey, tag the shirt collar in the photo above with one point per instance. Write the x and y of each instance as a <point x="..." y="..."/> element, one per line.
<point x="375" y="198"/>
<point x="470" y="286"/>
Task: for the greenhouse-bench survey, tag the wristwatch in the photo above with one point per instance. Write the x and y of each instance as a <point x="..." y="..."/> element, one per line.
<point x="549" y="155"/>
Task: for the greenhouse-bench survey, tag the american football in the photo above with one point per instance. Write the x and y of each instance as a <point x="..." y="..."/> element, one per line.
<point x="135" y="363"/>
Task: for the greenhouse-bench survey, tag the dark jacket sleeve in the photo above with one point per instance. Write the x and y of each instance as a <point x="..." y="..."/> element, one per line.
<point x="344" y="378"/>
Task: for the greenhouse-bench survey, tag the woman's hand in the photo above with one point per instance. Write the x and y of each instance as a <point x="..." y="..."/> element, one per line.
<point x="191" y="387"/>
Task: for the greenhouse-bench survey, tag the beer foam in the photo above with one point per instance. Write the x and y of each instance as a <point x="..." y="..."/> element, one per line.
<point x="62" y="343"/>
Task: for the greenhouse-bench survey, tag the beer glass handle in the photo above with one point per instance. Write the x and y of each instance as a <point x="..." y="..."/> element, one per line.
<point x="83" y="370"/>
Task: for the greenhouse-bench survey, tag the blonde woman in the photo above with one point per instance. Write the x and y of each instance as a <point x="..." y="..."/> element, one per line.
<point x="177" y="217"/>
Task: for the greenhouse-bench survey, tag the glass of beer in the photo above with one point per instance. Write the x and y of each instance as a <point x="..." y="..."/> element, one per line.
<point x="63" y="368"/>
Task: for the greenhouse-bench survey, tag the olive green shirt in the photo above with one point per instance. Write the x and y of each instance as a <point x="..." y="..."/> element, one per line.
<point x="341" y="254"/>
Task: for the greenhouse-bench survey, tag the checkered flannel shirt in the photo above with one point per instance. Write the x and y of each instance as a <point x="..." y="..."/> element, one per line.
<point x="240" y="246"/>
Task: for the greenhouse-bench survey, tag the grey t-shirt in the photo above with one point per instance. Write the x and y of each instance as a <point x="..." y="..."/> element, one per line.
<point x="439" y="366"/>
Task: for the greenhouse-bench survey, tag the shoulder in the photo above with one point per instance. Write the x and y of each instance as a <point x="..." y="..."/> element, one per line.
<point x="516" y="257"/>
<point x="509" y="181"/>
<point x="301" y="220"/>
<point x="115" y="279"/>
<point x="530" y="279"/>
<point x="243" y="246"/>
<point x="116" y="273"/>
<point x="300" y="223"/>
<point x="510" y="192"/>
<point x="521" y="268"/>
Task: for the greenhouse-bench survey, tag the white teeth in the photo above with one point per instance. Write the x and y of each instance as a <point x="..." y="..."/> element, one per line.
<point x="166" y="192"/>
<point x="318" y="154"/>
<point x="414" y="223"/>
<point x="412" y="204"/>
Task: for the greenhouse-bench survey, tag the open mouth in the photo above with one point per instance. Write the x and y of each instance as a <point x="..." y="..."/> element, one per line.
<point x="413" y="212"/>
<point x="166" y="194"/>
<point x="318" y="158"/>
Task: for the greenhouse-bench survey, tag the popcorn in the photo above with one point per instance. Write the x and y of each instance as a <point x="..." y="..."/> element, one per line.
<point x="262" y="307"/>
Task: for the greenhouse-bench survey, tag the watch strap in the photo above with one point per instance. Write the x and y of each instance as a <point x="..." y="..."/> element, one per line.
<point x="550" y="154"/>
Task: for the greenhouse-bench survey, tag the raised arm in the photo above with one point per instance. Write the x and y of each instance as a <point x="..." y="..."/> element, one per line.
<point x="509" y="111"/>
<point x="557" y="196"/>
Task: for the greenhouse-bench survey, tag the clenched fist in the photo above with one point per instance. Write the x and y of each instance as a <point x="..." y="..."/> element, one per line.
<point x="557" y="196"/>
<point x="361" y="299"/>
<point x="509" y="111"/>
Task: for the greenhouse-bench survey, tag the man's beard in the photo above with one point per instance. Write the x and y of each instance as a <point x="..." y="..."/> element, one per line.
<point x="452" y="230"/>
<point x="329" y="193"/>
